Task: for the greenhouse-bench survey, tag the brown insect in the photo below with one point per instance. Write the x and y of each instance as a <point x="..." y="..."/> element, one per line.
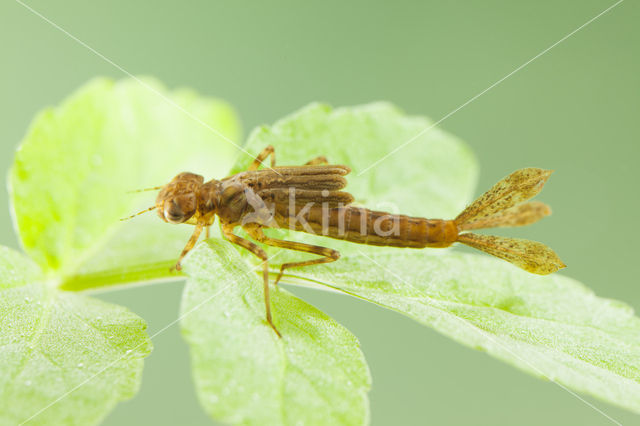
<point x="310" y="199"/>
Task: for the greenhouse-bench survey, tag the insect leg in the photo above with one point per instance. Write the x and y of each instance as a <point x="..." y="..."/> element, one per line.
<point x="328" y="255"/>
<point x="227" y="232"/>
<point x="268" y="151"/>
<point x="207" y="232"/>
<point x="317" y="161"/>
<point x="192" y="242"/>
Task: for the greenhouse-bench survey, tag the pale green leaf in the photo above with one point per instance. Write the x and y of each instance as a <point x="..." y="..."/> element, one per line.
<point x="52" y="342"/>
<point x="71" y="175"/>
<point x="550" y="326"/>
<point x="245" y="374"/>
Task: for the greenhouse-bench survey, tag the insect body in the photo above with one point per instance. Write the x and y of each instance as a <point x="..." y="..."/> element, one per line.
<point x="310" y="199"/>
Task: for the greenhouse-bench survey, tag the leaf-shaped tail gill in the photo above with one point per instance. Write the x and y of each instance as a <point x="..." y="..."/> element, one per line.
<point x="531" y="256"/>
<point x="494" y="206"/>
<point x="520" y="215"/>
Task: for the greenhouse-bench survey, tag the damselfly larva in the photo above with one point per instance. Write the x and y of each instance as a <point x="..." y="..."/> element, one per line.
<point x="310" y="199"/>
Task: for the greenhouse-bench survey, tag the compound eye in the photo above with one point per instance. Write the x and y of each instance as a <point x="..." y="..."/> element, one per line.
<point x="173" y="212"/>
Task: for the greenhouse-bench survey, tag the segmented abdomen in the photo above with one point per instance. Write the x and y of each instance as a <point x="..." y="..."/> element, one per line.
<point x="364" y="226"/>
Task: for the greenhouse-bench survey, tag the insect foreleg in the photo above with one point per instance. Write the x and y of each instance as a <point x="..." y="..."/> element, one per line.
<point x="227" y="231"/>
<point x="192" y="242"/>
<point x="268" y="151"/>
<point x="328" y="255"/>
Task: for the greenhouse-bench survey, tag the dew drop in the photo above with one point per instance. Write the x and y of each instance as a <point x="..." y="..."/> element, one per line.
<point x="80" y="364"/>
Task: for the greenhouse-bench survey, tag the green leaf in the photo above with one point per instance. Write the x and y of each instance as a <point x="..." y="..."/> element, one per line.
<point x="243" y="372"/>
<point x="550" y="326"/>
<point x="53" y="342"/>
<point x="71" y="175"/>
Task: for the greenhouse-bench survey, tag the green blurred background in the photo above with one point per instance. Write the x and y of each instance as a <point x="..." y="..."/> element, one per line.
<point x="575" y="110"/>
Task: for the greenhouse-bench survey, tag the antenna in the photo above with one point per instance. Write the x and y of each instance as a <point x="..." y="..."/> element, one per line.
<point x="146" y="189"/>
<point x="139" y="213"/>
